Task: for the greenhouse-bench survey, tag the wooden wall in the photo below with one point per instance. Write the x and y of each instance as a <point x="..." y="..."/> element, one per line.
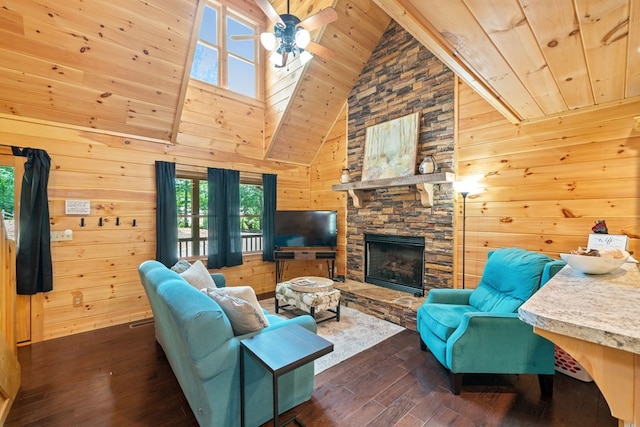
<point x="543" y="184"/>
<point x="117" y="175"/>
<point x="112" y="65"/>
<point x="9" y="365"/>
<point x="7" y="287"/>
<point x="112" y="74"/>
<point x="325" y="172"/>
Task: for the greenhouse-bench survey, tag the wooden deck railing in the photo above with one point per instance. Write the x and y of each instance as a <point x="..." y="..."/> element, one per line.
<point x="251" y="242"/>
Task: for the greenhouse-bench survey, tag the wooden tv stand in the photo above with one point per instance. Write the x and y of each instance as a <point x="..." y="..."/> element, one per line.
<point x="303" y="254"/>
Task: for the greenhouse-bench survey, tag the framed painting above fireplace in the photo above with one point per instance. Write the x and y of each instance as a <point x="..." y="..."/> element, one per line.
<point x="390" y="148"/>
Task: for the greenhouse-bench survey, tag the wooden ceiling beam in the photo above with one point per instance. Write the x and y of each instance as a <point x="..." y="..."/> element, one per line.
<point x="413" y="22"/>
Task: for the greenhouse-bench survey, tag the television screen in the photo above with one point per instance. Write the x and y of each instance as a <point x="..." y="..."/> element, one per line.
<point x="306" y="228"/>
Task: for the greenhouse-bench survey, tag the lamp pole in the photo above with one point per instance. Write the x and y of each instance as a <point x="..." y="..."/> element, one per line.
<point x="464" y="232"/>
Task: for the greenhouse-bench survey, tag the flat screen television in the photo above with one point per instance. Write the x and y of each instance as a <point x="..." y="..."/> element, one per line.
<point x="306" y="228"/>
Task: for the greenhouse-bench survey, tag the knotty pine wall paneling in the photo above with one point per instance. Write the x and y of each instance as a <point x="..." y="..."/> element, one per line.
<point x="315" y="190"/>
<point x="117" y="175"/>
<point x="543" y="184"/>
<point x="325" y="172"/>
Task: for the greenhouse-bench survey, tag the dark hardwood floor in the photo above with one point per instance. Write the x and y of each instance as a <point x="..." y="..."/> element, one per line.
<point x="119" y="377"/>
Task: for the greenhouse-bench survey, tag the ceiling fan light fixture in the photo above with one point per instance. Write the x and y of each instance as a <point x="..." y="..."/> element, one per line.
<point x="268" y="40"/>
<point x="302" y="38"/>
<point x="305" y="57"/>
<point x="276" y="58"/>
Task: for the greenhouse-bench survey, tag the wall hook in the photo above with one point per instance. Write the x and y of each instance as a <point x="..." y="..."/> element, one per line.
<point x="100" y="222"/>
<point x="81" y="222"/>
<point x="117" y="220"/>
<point x="134" y="223"/>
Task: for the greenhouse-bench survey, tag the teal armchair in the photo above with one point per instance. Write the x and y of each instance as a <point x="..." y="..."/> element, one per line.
<point x="478" y="330"/>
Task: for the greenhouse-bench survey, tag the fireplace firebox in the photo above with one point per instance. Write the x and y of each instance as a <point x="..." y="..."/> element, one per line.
<point x="395" y="262"/>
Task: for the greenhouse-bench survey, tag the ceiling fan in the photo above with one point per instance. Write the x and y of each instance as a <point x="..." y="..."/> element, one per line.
<point x="291" y="35"/>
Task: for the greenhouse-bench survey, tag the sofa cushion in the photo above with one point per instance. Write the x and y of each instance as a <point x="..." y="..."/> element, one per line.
<point x="443" y="319"/>
<point x="510" y="277"/>
<point x="198" y="276"/>
<point x="181" y="266"/>
<point x="248" y="294"/>
<point x="242" y="314"/>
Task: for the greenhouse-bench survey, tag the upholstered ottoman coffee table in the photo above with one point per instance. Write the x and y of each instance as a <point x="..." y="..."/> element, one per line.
<point x="311" y="294"/>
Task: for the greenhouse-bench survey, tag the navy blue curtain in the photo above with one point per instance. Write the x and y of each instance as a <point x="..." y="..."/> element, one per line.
<point x="224" y="243"/>
<point x="269" y="194"/>
<point x="166" y="214"/>
<point x="34" y="272"/>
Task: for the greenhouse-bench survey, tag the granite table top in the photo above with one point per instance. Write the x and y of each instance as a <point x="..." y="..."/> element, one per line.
<point x="602" y="309"/>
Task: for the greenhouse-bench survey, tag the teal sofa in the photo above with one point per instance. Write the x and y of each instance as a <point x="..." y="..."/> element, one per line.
<point x="204" y="354"/>
<point x="478" y="330"/>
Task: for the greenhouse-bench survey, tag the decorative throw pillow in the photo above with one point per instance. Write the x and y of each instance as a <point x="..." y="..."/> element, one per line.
<point x="181" y="266"/>
<point x="198" y="276"/>
<point x="248" y="294"/>
<point x="243" y="315"/>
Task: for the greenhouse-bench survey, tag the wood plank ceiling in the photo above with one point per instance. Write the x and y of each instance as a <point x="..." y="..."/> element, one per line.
<point x="118" y="66"/>
<point x="532" y="58"/>
<point x="303" y="102"/>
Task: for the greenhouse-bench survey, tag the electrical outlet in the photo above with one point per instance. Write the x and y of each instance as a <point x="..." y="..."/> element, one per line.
<point x="59" y="236"/>
<point x="77" y="298"/>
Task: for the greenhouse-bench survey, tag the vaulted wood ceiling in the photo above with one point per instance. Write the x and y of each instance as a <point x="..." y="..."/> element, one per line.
<point x="533" y="58"/>
<point x="118" y="65"/>
<point x="303" y="102"/>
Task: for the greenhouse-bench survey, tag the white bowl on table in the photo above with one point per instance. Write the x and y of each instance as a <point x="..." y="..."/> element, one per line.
<point x="594" y="264"/>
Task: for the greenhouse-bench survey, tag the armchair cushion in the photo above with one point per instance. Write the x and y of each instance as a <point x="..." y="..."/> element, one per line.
<point x="443" y="319"/>
<point x="510" y="277"/>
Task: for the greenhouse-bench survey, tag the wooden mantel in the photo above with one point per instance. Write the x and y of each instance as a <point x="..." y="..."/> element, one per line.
<point x="424" y="184"/>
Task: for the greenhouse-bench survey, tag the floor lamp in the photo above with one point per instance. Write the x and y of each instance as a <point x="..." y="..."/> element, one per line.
<point x="464" y="232"/>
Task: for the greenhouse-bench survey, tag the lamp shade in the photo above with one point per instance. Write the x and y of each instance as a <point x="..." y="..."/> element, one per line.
<point x="302" y="38"/>
<point x="276" y="58"/>
<point x="268" y="40"/>
<point x="305" y="57"/>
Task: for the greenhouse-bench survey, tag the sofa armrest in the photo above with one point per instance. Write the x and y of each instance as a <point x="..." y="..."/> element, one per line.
<point x="306" y="321"/>
<point x="498" y="343"/>
<point x="449" y="296"/>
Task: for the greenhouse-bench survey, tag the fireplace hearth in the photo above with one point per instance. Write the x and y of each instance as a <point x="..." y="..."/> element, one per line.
<point x="395" y="262"/>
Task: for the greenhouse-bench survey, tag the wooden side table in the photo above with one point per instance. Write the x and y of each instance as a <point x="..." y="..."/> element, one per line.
<point x="281" y="350"/>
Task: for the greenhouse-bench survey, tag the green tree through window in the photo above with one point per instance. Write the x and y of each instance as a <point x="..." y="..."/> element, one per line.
<point x="6" y="189"/>
<point x="192" y="216"/>
<point x="7" y="197"/>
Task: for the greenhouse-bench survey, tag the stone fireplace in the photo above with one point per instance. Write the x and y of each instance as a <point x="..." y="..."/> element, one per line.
<point x="402" y="77"/>
<point x="395" y="262"/>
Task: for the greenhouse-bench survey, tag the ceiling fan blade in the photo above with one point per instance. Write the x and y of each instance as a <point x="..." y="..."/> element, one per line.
<point x="324" y="17"/>
<point x="245" y="37"/>
<point x="271" y="13"/>
<point x="321" y="51"/>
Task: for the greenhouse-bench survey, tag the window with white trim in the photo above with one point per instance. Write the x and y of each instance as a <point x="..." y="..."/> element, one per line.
<point x="192" y="200"/>
<point x="221" y="61"/>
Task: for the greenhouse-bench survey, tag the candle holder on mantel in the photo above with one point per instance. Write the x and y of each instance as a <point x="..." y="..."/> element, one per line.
<point x="428" y="165"/>
<point x="345" y="177"/>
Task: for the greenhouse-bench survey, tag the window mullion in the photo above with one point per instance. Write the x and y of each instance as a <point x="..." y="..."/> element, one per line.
<point x="223" y="54"/>
<point x="195" y="222"/>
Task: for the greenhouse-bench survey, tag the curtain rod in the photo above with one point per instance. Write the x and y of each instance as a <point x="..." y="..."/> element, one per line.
<point x="206" y="167"/>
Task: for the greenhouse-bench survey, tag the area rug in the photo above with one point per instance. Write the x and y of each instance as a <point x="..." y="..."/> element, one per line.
<point x="355" y="332"/>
